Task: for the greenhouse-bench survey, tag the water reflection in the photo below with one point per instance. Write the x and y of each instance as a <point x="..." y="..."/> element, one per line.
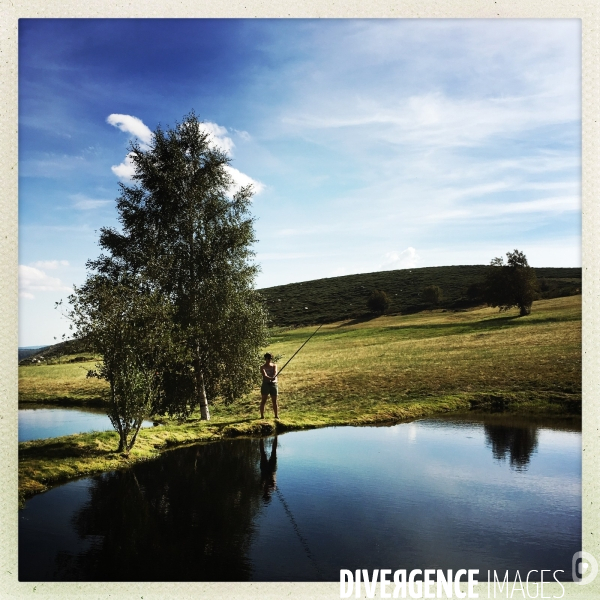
<point x="185" y="517"/>
<point x="516" y="443"/>
<point x="268" y="467"/>
<point x="42" y="422"/>
<point x="309" y="503"/>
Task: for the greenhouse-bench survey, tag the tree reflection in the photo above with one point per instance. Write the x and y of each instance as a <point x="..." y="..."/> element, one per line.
<point x="186" y="516"/>
<point x="517" y="443"/>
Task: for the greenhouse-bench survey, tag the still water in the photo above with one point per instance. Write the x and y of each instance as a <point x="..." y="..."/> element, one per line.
<point x="473" y="492"/>
<point x="41" y="423"/>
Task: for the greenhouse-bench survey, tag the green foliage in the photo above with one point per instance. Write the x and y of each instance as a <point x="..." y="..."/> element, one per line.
<point x="344" y="298"/>
<point x="131" y="327"/>
<point x="432" y="294"/>
<point x="378" y="302"/>
<point x="185" y="232"/>
<point x="511" y="284"/>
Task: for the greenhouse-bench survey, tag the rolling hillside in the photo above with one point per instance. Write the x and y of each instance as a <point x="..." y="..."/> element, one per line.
<point x="338" y="298"/>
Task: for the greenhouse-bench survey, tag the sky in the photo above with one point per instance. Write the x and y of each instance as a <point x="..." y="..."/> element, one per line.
<point x="371" y="144"/>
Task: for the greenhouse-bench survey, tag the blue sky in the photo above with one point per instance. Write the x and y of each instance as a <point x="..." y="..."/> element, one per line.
<point x="372" y="144"/>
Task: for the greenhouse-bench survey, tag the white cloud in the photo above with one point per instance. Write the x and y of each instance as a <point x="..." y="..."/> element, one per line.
<point x="406" y="259"/>
<point x="218" y="136"/>
<point x="131" y="125"/>
<point x="126" y="170"/>
<point x="50" y="264"/>
<point x="241" y="179"/>
<point x="32" y="280"/>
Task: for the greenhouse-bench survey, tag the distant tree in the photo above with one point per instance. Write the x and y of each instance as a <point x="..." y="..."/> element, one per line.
<point x="475" y="291"/>
<point x="131" y="326"/>
<point x="187" y="233"/>
<point x="378" y="302"/>
<point x="511" y="284"/>
<point x="432" y="294"/>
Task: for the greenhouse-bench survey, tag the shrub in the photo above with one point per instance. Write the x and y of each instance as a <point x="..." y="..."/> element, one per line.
<point x="432" y="294"/>
<point x="378" y="302"/>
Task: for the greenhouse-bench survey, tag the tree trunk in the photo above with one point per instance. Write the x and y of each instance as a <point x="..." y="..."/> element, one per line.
<point x="525" y="310"/>
<point x="116" y="421"/>
<point x="204" y="412"/>
<point x="201" y="391"/>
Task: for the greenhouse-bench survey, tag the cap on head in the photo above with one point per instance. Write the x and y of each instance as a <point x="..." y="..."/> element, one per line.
<point x="268" y="356"/>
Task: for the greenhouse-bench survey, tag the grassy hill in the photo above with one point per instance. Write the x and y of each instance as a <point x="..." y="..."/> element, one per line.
<point x="342" y="298"/>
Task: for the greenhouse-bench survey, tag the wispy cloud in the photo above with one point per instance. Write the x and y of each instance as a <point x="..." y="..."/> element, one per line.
<point x="50" y="264"/>
<point x="32" y="281"/>
<point x="559" y="204"/>
<point x="284" y="255"/>
<point x="82" y="202"/>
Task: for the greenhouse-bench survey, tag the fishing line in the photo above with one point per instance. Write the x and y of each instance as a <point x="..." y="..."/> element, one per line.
<point x="306" y="342"/>
<point x="295" y="527"/>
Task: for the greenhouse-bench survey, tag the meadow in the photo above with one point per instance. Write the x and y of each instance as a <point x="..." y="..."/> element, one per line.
<point x="353" y="372"/>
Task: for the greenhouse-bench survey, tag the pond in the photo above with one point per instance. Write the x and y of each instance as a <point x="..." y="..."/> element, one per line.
<point x="469" y="492"/>
<point x="39" y="423"/>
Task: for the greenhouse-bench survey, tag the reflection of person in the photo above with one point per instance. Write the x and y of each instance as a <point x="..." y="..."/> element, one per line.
<point x="268" y="467"/>
<point x="269" y="385"/>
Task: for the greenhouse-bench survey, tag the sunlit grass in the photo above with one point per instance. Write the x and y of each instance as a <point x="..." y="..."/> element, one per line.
<point x="64" y="383"/>
<point x="384" y="369"/>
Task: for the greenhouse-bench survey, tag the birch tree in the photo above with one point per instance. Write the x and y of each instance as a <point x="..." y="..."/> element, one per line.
<point x="187" y="233"/>
<point x="131" y="327"/>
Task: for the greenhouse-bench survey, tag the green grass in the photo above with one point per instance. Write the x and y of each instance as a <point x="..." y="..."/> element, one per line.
<point x="61" y="383"/>
<point x="353" y="373"/>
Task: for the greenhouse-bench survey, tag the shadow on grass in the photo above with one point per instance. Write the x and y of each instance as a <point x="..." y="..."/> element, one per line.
<point x="358" y="320"/>
<point x="481" y="325"/>
<point x="62" y="401"/>
<point x="65" y="448"/>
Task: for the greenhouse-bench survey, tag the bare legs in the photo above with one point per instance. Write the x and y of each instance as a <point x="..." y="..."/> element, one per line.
<point x="264" y="401"/>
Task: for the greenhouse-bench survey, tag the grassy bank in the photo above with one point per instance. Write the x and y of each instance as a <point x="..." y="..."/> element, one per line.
<point x="353" y="373"/>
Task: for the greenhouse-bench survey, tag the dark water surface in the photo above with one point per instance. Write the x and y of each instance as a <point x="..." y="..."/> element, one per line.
<point x="40" y="423"/>
<point x="460" y="493"/>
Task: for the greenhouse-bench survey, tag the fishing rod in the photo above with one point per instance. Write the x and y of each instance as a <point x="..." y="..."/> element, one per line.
<point x="306" y="342"/>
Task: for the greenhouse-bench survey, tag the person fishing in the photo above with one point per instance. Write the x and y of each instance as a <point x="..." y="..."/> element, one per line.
<point x="269" y="385"/>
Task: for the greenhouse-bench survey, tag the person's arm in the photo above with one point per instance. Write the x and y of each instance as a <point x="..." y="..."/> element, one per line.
<point x="275" y="373"/>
